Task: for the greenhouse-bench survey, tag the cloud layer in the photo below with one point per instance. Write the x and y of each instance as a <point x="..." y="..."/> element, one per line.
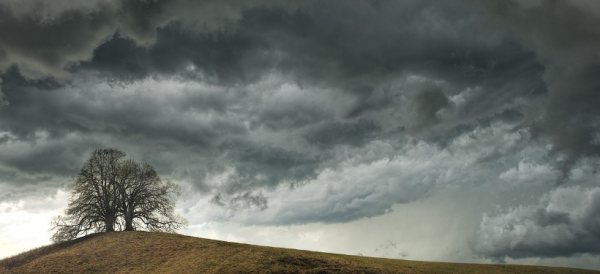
<point x="564" y="223"/>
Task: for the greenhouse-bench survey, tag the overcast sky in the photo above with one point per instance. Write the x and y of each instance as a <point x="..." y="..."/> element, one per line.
<point x="445" y="130"/>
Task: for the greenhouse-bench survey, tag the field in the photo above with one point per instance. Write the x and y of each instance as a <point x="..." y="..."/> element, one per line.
<point x="145" y="252"/>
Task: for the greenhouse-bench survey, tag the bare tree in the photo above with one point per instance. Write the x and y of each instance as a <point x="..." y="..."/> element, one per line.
<point x="147" y="202"/>
<point x="111" y="192"/>
<point x="92" y="206"/>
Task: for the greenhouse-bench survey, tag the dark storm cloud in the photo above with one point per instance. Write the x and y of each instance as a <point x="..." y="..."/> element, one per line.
<point x="564" y="36"/>
<point x="351" y="133"/>
<point x="320" y="45"/>
<point x="313" y="42"/>
<point x="315" y="47"/>
<point x="120" y="58"/>
<point x="428" y="103"/>
<point x="318" y="48"/>
<point x="51" y="131"/>
<point x="220" y="55"/>
<point x="170" y="116"/>
<point x="3" y="101"/>
<point x="564" y="224"/>
<point x="37" y="166"/>
<point x="264" y="165"/>
<point x="57" y="159"/>
<point x="43" y="47"/>
<point x="243" y="200"/>
<point x="353" y="52"/>
<point x="112" y="110"/>
<point x="49" y="40"/>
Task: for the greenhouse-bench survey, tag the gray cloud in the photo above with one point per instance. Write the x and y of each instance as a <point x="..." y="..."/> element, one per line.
<point x="45" y="40"/>
<point x="3" y="101"/>
<point x="259" y="164"/>
<point x="367" y="181"/>
<point x="43" y="46"/>
<point x="180" y="83"/>
<point x="335" y="133"/>
<point x="428" y="103"/>
<point x="563" y="36"/>
<point x="563" y="224"/>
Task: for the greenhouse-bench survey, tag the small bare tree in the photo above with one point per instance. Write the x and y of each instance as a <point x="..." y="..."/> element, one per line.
<point x="146" y="202"/>
<point x="92" y="206"/>
<point x="109" y="192"/>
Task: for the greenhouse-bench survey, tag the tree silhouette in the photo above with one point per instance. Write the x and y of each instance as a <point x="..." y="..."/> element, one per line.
<point x="145" y="200"/>
<point x="111" y="192"/>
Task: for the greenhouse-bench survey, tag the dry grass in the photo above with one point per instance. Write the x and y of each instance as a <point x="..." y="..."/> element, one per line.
<point x="144" y="252"/>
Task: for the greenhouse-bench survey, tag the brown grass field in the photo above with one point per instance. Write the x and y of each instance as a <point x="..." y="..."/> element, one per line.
<point x="145" y="252"/>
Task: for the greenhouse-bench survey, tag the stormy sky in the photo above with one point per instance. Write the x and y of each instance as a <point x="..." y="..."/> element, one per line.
<point x="446" y="130"/>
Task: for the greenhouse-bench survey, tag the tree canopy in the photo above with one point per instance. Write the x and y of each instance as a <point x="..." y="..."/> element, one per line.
<point x="111" y="193"/>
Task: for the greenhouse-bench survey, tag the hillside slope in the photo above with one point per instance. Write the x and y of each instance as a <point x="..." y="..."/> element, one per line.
<point x="144" y="252"/>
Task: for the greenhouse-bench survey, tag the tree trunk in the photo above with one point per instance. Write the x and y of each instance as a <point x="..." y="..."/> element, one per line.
<point x="129" y="221"/>
<point x="110" y="224"/>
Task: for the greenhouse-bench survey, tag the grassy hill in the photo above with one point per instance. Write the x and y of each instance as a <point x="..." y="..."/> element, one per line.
<point x="144" y="252"/>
